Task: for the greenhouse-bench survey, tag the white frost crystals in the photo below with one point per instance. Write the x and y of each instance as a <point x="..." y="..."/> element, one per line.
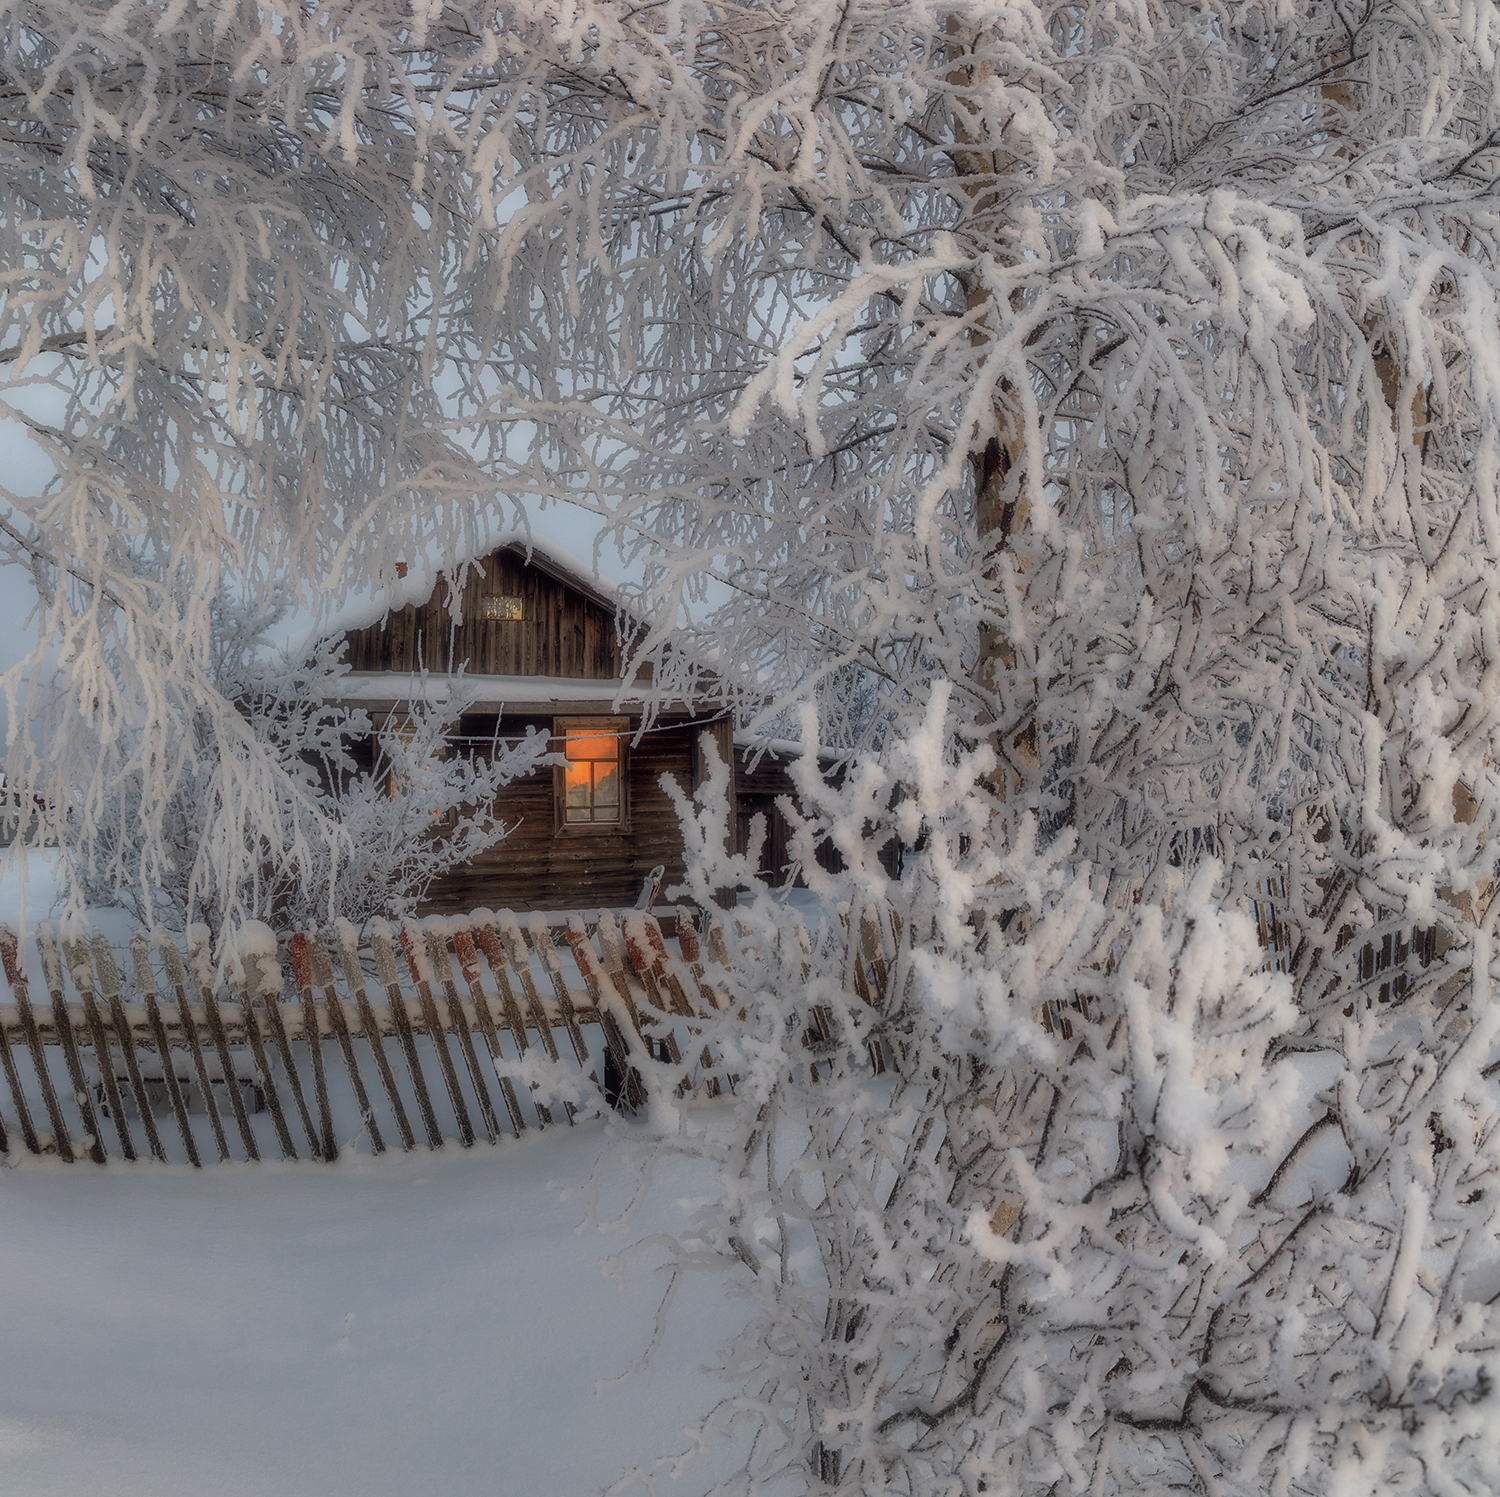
<point x="1135" y="394"/>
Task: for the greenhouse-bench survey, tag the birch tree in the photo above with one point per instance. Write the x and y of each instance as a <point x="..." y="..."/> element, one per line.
<point x="1114" y="383"/>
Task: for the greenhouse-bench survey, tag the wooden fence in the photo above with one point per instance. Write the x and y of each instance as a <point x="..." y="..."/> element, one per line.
<point x="446" y="1029"/>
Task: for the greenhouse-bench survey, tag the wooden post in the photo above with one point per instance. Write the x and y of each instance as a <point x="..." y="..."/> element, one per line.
<point x="145" y="985"/>
<point x="10" y="955"/>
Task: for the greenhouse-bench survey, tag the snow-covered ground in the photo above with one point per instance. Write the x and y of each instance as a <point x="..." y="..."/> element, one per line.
<point x="427" y="1323"/>
<point x="416" y="1324"/>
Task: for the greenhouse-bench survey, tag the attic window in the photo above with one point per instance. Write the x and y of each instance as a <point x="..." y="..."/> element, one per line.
<point x="501" y="609"/>
<point x="591" y="785"/>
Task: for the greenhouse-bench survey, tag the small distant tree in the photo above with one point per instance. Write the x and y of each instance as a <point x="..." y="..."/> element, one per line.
<point x="404" y="815"/>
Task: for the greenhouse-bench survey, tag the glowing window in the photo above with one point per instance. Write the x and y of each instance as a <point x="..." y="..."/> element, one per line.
<point x="502" y="609"/>
<point x="591" y="781"/>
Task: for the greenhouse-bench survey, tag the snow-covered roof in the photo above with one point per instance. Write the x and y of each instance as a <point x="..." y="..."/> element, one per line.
<point x="417" y="587"/>
<point x="783" y="748"/>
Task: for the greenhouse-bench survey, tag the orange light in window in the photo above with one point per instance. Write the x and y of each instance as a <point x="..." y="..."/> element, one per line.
<point x="591" y="781"/>
<point x="586" y="745"/>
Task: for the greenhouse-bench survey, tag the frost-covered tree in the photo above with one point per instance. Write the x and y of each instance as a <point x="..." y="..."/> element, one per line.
<point x="1114" y="382"/>
<point x="241" y="249"/>
<point x="405" y="805"/>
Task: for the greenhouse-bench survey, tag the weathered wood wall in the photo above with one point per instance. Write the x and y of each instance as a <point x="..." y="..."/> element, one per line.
<point x="539" y="867"/>
<point x="561" y="632"/>
<point x="569" y="632"/>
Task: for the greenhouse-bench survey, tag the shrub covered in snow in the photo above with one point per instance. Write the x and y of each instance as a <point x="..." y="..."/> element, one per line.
<point x="1163" y="1241"/>
<point x="396" y="824"/>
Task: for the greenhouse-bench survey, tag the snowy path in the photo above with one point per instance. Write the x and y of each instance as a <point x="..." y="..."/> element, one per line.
<point x="419" y="1324"/>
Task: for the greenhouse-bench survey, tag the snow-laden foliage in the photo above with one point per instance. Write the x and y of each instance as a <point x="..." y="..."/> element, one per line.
<point x="1127" y="366"/>
<point x="241" y="246"/>
<point x="1112" y="381"/>
<point x="404" y="814"/>
<point x="1154" y="1244"/>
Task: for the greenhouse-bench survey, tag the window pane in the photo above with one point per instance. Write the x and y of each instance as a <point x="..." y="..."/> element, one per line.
<point x="582" y="745"/>
<point x="592" y="793"/>
<point x="578" y="786"/>
<point x="606" y="786"/>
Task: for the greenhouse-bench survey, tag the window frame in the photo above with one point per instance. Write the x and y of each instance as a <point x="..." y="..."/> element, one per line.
<point x="620" y="727"/>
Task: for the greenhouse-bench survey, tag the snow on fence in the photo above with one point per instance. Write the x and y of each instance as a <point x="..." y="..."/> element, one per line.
<point x="421" y="1035"/>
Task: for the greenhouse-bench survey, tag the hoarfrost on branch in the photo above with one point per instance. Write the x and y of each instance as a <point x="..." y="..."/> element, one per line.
<point x="1109" y="388"/>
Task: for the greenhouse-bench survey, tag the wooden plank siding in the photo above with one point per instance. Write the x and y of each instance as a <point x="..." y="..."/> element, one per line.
<point x="540" y="866"/>
<point x="567" y="631"/>
<point x="562" y="630"/>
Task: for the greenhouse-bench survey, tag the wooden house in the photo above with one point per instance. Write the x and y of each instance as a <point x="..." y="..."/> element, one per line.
<point x="540" y="643"/>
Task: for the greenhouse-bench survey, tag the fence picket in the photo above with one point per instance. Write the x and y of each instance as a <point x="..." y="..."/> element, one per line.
<point x="109" y="984"/>
<point x="145" y="985"/>
<point x="509" y="930"/>
<point x="77" y="956"/>
<point x="540" y="939"/>
<point x="321" y="972"/>
<point x="177" y="976"/>
<point x="437" y="958"/>
<point x="52" y="974"/>
<point x="413" y="948"/>
<point x="468" y="961"/>
<point x="302" y="979"/>
<point x="385" y="966"/>
<point x="10" y="956"/>
<point x="203" y="971"/>
<point x="613" y="952"/>
<point x="262" y="1065"/>
<point x="489" y="943"/>
<point x="617" y="1036"/>
<point x="349" y="960"/>
<point x="269" y="992"/>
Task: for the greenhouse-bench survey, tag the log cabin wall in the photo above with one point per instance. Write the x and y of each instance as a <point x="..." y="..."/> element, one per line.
<point x="538" y="867"/>
<point x="561" y="631"/>
<point x="566" y="630"/>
